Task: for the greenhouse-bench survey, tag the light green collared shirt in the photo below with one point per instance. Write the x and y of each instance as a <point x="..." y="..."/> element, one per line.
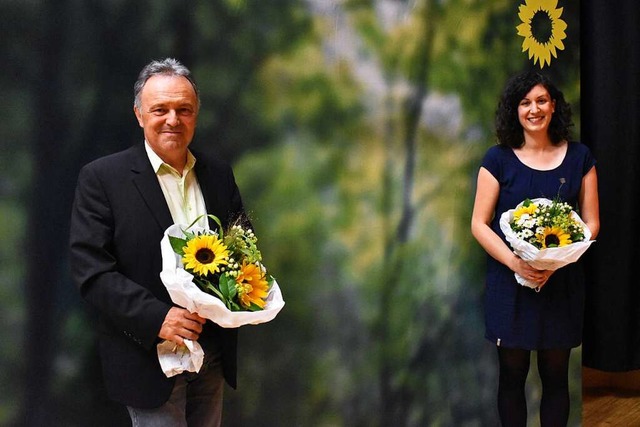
<point x="181" y="191"/>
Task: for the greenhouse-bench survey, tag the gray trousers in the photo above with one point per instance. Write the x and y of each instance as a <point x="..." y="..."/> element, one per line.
<point x="196" y="401"/>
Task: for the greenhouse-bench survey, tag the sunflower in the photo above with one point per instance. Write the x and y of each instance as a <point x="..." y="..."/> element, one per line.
<point x="205" y="254"/>
<point x="252" y="285"/>
<point x="553" y="237"/>
<point x="542" y="29"/>
<point x="528" y="209"/>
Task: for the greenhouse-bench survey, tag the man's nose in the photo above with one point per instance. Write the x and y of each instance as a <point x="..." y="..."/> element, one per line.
<point x="172" y="118"/>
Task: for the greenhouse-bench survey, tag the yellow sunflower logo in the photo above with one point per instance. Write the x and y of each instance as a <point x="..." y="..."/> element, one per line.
<point x="252" y="285"/>
<point x="542" y="29"/>
<point x="554" y="237"/>
<point x="205" y="254"/>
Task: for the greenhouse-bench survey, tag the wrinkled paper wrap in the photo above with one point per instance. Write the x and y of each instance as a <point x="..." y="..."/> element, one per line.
<point x="547" y="258"/>
<point x="185" y="293"/>
<point x="176" y="359"/>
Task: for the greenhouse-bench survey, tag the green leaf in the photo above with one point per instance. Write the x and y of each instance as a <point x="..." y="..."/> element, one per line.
<point x="177" y="244"/>
<point x="213" y="217"/>
<point x="255" y="307"/>
<point x="228" y="287"/>
<point x="217" y="221"/>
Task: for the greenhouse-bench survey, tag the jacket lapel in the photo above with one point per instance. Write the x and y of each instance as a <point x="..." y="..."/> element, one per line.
<point x="210" y="196"/>
<point x="146" y="181"/>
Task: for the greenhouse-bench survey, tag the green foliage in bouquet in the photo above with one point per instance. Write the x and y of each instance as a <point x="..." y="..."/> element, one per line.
<point x="546" y="225"/>
<point x="226" y="265"/>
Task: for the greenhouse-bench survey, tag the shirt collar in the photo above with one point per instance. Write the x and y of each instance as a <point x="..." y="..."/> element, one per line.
<point x="157" y="162"/>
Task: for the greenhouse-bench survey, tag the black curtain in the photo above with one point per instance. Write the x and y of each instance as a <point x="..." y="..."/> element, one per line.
<point x="610" y="94"/>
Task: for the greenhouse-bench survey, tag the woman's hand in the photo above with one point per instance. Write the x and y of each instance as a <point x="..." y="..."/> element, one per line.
<point x="524" y="270"/>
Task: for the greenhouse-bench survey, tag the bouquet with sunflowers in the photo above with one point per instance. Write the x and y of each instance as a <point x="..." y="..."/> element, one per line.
<point x="219" y="275"/>
<point x="548" y="234"/>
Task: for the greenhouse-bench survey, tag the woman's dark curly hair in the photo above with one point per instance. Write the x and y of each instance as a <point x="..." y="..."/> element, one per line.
<point x="508" y="128"/>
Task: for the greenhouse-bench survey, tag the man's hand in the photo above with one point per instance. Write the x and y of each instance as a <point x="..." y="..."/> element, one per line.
<point x="180" y="324"/>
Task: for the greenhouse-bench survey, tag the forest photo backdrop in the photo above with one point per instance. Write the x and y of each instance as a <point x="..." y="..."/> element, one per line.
<point x="355" y="128"/>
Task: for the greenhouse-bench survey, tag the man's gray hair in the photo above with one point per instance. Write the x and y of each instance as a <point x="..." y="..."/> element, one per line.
<point x="166" y="67"/>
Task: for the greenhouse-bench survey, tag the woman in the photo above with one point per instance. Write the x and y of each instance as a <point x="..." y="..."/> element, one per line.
<point x="534" y="158"/>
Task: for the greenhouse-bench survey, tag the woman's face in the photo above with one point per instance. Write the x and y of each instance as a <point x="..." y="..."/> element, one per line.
<point x="535" y="110"/>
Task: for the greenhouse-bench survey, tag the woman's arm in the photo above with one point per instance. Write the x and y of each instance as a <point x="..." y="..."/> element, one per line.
<point x="484" y="206"/>
<point x="589" y="203"/>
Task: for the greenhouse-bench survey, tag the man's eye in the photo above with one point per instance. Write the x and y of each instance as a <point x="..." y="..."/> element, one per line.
<point x="158" y="111"/>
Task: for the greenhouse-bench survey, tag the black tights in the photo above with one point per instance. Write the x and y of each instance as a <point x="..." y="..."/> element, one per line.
<point x="553" y="366"/>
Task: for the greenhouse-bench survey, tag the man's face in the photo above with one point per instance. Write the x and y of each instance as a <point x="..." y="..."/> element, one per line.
<point x="168" y="113"/>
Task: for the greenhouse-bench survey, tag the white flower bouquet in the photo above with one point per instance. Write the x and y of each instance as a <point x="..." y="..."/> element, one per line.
<point x="548" y="234"/>
<point x="218" y="275"/>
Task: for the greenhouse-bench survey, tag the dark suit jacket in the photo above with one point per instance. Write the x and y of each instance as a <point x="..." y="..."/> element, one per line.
<point x="118" y="219"/>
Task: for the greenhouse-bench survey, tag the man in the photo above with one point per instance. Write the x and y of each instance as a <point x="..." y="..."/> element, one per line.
<point x="123" y="204"/>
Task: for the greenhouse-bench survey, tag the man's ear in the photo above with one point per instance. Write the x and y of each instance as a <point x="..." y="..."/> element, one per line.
<point x="136" y="111"/>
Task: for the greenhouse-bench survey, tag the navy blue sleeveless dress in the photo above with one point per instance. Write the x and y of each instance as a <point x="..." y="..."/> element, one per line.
<point x="517" y="316"/>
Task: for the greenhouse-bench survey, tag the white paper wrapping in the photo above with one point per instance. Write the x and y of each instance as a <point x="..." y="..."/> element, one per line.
<point x="175" y="360"/>
<point x="185" y="293"/>
<point x="548" y="258"/>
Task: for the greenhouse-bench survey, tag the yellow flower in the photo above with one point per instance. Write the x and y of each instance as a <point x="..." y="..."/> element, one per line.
<point x="204" y="254"/>
<point x="252" y="285"/>
<point x="542" y="29"/>
<point x="553" y="237"/>
<point x="531" y="209"/>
